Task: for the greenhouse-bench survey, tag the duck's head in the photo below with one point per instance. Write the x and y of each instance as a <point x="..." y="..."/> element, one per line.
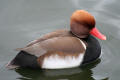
<point x="82" y="24"/>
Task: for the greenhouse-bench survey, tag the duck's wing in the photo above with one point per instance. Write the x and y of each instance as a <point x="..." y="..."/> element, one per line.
<point x="57" y="33"/>
<point x="60" y="44"/>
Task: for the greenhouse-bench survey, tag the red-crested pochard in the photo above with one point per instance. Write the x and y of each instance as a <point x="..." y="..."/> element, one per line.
<point x="63" y="48"/>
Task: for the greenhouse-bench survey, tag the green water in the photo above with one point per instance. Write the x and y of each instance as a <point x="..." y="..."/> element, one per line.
<point x="22" y="21"/>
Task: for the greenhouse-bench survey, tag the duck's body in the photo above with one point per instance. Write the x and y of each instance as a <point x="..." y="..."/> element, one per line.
<point x="60" y="49"/>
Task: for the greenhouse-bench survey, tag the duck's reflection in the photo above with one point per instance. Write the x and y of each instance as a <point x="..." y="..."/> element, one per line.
<point x="80" y="73"/>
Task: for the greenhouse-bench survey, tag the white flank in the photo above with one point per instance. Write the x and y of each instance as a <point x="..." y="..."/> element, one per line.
<point x="56" y="62"/>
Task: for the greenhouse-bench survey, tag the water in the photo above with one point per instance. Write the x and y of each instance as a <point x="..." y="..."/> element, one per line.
<point x="22" y="21"/>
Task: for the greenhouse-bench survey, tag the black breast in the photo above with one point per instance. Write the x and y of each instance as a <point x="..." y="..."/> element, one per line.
<point x="93" y="50"/>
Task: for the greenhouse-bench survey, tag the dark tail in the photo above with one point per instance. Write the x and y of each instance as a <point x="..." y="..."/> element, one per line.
<point x="23" y="59"/>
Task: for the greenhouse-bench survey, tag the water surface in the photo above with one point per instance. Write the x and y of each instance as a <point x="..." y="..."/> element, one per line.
<point x="22" y="21"/>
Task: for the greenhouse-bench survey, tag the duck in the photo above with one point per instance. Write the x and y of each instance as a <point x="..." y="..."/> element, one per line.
<point x="63" y="48"/>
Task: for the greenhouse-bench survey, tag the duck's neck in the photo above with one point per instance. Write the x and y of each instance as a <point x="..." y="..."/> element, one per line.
<point x="74" y="34"/>
<point x="78" y="36"/>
